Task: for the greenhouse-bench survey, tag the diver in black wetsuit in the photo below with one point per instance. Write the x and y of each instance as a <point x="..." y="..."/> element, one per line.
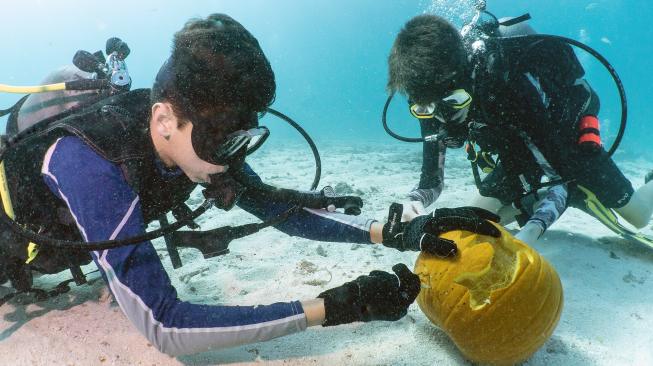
<point x="524" y="102"/>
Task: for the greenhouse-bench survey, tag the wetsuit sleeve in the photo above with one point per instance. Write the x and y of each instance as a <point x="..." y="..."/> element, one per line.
<point x="549" y="209"/>
<point x="105" y="207"/>
<point x="431" y="182"/>
<point x="314" y="224"/>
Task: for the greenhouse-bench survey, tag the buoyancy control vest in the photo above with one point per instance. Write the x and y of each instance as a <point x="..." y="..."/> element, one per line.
<point x="531" y="86"/>
<point x="499" y="62"/>
<point x="116" y="128"/>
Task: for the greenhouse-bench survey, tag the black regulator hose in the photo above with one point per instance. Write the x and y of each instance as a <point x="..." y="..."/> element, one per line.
<point x="389" y="131"/>
<point x="309" y="140"/>
<point x="99" y="245"/>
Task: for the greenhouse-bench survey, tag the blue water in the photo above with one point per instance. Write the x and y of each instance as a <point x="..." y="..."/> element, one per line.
<point x="329" y="56"/>
<point x="330" y="61"/>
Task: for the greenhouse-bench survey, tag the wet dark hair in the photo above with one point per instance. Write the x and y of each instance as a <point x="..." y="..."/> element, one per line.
<point x="427" y="59"/>
<point x="216" y="66"/>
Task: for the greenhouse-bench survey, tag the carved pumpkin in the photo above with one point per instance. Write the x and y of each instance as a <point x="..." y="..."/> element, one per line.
<point x="498" y="299"/>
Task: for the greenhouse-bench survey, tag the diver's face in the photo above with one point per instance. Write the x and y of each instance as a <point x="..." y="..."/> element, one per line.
<point x="451" y="110"/>
<point x="173" y="143"/>
<point x="185" y="157"/>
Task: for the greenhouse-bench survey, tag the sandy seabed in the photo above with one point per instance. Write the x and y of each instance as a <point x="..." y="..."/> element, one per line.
<point x="608" y="282"/>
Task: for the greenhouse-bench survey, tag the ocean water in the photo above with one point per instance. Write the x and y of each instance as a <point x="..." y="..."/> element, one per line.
<point x="330" y="62"/>
<point x="330" y="56"/>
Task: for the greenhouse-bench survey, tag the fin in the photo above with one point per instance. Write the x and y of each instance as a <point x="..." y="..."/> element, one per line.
<point x="608" y="218"/>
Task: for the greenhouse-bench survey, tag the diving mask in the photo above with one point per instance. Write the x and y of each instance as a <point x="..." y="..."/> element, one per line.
<point x="221" y="150"/>
<point x="453" y="108"/>
<point x="227" y="135"/>
<point x="230" y="151"/>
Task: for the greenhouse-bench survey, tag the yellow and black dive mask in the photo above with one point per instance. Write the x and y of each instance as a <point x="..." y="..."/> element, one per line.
<point x="452" y="109"/>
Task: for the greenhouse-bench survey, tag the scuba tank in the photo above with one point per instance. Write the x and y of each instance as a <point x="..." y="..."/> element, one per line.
<point x="67" y="90"/>
<point x="92" y="78"/>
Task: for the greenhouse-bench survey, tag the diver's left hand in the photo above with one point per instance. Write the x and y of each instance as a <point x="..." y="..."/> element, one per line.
<point x="422" y="233"/>
<point x="377" y="296"/>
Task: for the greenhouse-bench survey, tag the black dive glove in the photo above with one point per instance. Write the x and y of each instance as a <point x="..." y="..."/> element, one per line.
<point x="422" y="233"/>
<point x="329" y="200"/>
<point x="377" y="296"/>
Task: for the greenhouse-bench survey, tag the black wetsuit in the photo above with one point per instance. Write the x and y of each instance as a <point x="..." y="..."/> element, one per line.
<point x="542" y="94"/>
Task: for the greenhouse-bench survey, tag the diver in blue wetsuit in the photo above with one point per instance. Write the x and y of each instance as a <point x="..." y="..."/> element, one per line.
<point x="110" y="168"/>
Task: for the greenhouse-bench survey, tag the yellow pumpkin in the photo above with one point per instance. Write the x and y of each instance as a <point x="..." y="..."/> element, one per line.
<point x="498" y="299"/>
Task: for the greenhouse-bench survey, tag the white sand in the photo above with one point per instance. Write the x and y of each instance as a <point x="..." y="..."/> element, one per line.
<point x="607" y="281"/>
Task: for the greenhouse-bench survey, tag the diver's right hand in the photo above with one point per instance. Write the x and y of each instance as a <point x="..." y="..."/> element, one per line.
<point x="377" y="296"/>
<point x="423" y="232"/>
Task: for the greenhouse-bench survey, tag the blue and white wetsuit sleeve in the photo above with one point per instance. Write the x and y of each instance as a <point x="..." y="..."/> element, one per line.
<point x="105" y="207"/>
<point x="314" y="224"/>
<point x="551" y="207"/>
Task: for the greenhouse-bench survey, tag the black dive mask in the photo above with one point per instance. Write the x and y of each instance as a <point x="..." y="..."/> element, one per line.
<point x="214" y="146"/>
<point x="212" y="143"/>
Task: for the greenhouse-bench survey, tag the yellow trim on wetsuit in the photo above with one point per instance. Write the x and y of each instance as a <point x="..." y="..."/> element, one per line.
<point x="32" y="249"/>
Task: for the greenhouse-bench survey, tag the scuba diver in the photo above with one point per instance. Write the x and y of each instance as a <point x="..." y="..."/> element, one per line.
<point x="528" y="116"/>
<point x="101" y="172"/>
